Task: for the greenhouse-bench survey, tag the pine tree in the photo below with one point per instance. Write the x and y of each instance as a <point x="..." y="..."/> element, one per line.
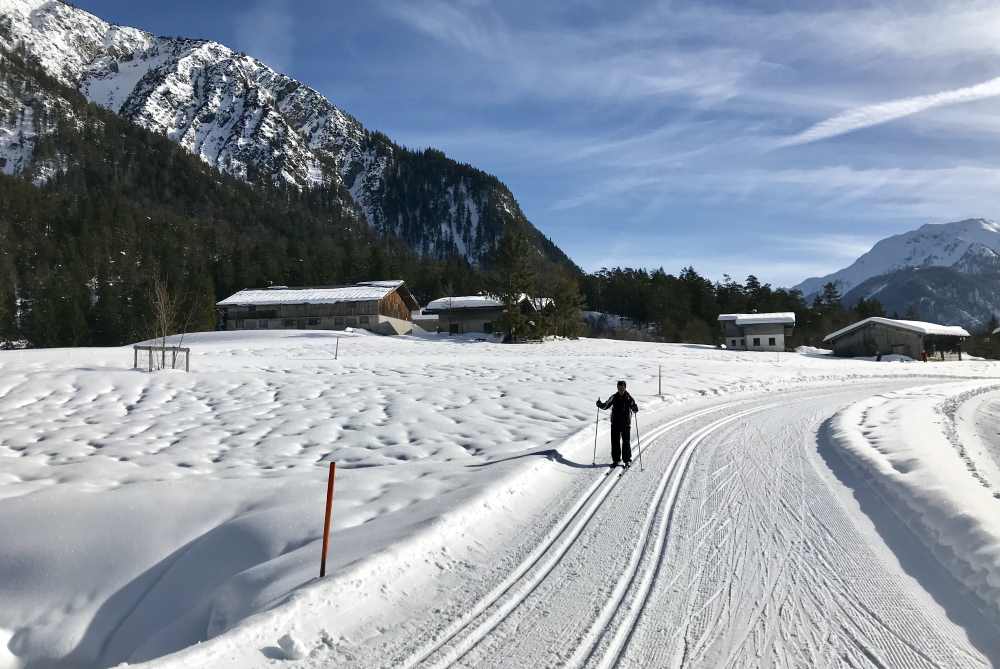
<point x="567" y="303"/>
<point x="512" y="279"/>
<point x="829" y="298"/>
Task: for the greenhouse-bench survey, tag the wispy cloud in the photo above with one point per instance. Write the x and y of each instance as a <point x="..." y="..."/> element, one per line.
<point x="876" y="114"/>
<point x="619" y="61"/>
<point x="842" y="247"/>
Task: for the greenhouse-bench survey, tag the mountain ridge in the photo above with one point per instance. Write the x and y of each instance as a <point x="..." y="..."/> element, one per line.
<point x="967" y="242"/>
<point x="245" y="118"/>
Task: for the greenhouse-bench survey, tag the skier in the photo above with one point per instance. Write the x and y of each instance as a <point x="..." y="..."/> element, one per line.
<point x="622" y="407"/>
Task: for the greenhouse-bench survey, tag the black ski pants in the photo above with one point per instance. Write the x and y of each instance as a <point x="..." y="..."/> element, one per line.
<point x="621" y="449"/>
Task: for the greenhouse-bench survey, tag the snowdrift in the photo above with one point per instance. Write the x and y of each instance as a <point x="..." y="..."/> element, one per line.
<point x="906" y="446"/>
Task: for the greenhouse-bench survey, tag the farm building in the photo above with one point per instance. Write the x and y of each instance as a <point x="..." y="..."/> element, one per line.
<point x="885" y="336"/>
<point x="383" y="307"/>
<point x="757" y="332"/>
<point x="478" y="313"/>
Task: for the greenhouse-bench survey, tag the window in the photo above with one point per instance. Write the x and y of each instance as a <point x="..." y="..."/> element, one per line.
<point x="488" y="327"/>
<point x="262" y="324"/>
<point x="771" y="342"/>
<point x="313" y="321"/>
<point x="732" y="342"/>
<point x="756" y="341"/>
<point x="363" y="320"/>
<point x="742" y="342"/>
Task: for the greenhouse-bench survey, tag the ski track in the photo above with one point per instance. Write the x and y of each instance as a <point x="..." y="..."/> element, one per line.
<point x="744" y="557"/>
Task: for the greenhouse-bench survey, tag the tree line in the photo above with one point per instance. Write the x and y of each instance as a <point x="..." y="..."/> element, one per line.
<point x="685" y="307"/>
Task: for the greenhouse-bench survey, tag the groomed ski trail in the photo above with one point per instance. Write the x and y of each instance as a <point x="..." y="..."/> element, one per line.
<point x="748" y="560"/>
<point x="465" y="633"/>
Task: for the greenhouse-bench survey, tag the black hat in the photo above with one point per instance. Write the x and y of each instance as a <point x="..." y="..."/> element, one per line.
<point x="621" y="383"/>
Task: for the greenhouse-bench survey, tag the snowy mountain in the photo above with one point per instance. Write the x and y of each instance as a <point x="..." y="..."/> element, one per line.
<point x="241" y="116"/>
<point x="971" y="246"/>
<point x="936" y="294"/>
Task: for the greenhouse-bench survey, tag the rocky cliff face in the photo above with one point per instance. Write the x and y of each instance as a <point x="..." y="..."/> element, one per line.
<point x="246" y="119"/>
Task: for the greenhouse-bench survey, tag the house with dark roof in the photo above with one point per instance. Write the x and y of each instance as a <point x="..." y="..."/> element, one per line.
<point x="383" y="307"/>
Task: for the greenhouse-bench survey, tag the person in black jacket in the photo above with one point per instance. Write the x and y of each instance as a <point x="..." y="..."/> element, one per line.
<point x="622" y="407"/>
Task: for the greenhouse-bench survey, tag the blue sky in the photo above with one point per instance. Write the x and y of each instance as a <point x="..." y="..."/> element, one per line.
<point x="738" y="137"/>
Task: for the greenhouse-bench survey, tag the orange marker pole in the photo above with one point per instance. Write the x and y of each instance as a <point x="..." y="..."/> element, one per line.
<point x="326" y="521"/>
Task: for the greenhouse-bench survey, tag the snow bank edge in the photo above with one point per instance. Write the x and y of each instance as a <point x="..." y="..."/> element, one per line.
<point x="917" y="471"/>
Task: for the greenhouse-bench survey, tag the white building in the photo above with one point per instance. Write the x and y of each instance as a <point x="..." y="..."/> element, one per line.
<point x="757" y="332"/>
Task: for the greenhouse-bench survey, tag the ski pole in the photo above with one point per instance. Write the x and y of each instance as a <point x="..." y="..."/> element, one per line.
<point x="638" y="444"/>
<point x="597" y="419"/>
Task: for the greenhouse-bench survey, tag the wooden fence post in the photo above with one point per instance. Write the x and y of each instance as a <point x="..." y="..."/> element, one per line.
<point x="326" y="521"/>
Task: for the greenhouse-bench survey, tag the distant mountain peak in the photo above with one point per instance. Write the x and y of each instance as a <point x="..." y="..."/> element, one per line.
<point x="953" y="244"/>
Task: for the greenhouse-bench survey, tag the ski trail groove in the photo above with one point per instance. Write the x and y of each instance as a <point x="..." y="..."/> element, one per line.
<point x="558" y="541"/>
<point x="671" y="479"/>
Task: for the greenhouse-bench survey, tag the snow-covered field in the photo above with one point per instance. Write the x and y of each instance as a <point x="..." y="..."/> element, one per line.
<point x="142" y="513"/>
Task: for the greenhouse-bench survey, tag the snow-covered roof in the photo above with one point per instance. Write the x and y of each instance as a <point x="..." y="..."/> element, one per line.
<point x="361" y="292"/>
<point x="919" y="327"/>
<point x="463" y="302"/>
<point x="782" y="317"/>
<point x="481" y="302"/>
<point x="395" y="283"/>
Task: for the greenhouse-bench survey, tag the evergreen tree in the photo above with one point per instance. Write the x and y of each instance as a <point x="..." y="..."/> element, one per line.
<point x="512" y="280"/>
<point x="567" y="303"/>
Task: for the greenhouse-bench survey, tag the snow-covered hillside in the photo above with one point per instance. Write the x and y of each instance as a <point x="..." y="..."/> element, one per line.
<point x="145" y="512"/>
<point x="972" y="245"/>
<point x="243" y="117"/>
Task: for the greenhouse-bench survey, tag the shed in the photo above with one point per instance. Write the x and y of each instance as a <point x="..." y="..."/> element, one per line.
<point x="380" y="306"/>
<point x="884" y="336"/>
<point x="757" y="332"/>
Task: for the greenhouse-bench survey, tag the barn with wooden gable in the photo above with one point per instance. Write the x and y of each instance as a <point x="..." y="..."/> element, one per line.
<point x="382" y="307"/>
<point x="886" y="336"/>
<point x="757" y="332"/>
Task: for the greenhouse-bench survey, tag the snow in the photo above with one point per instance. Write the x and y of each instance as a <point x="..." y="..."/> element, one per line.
<point x="913" y="326"/>
<point x="427" y="433"/>
<point x="110" y="87"/>
<point x="462" y="302"/>
<point x="908" y="446"/>
<point x="17" y="144"/>
<point x="292" y="647"/>
<point x="942" y="244"/>
<point x="480" y="302"/>
<point x="785" y="317"/>
<point x="362" y="292"/>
